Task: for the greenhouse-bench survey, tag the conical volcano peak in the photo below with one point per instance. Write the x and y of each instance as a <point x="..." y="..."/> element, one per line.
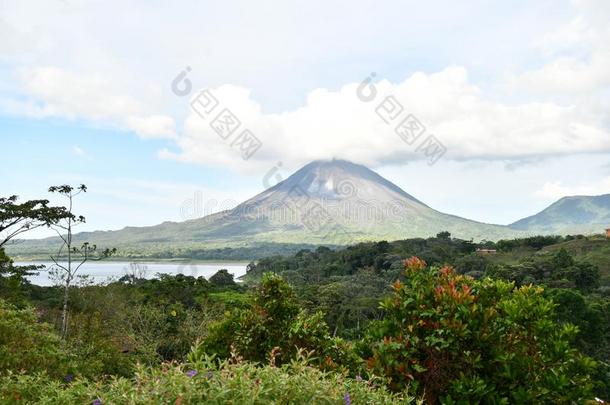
<point x="335" y="163"/>
<point x="333" y="195"/>
<point x="336" y="166"/>
<point x="340" y="179"/>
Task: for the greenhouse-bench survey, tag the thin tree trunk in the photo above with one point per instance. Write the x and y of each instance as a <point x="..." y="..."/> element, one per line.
<point x="64" y="312"/>
<point x="64" y="315"/>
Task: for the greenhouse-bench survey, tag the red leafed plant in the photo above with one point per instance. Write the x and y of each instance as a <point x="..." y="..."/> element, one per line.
<point x="450" y="336"/>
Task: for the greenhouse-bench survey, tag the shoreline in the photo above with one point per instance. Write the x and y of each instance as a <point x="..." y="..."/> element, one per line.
<point x="20" y="259"/>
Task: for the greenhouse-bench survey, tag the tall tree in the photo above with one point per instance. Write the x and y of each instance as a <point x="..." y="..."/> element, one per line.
<point x="74" y="257"/>
<point x="16" y="218"/>
<point x="222" y="278"/>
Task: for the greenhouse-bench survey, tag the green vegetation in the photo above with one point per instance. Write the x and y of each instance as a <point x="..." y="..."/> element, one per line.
<point x="218" y="383"/>
<point x="191" y="251"/>
<point x="526" y="324"/>
<point x="273" y="328"/>
<point x="574" y="214"/>
<point x="29" y="346"/>
<point x="347" y="284"/>
<point x="454" y="338"/>
<point x="442" y="337"/>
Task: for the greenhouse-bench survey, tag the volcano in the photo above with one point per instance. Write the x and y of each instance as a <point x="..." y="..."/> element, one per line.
<point x="326" y="202"/>
<point x="340" y="202"/>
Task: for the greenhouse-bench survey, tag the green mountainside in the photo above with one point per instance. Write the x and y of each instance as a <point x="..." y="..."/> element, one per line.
<point x="324" y="203"/>
<point x="329" y="203"/>
<point x="570" y="215"/>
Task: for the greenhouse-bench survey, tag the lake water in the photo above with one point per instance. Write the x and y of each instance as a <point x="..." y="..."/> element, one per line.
<point x="102" y="272"/>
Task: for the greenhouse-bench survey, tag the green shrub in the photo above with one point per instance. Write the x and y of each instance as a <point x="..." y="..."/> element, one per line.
<point x="222" y="278"/>
<point x="14" y="284"/>
<point x="273" y="327"/>
<point x="449" y="336"/>
<point x="226" y="299"/>
<point x="98" y="351"/>
<point x="154" y="333"/>
<point x="205" y="381"/>
<point x="28" y="346"/>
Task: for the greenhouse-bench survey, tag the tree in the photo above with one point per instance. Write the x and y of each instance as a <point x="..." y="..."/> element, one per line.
<point x="444" y="235"/>
<point x="64" y="227"/>
<point x="273" y="328"/>
<point x="586" y="276"/>
<point x="27" y="345"/>
<point x="562" y="260"/>
<point x="451" y="337"/>
<point x="16" y="219"/>
<point x="222" y="278"/>
<point x="13" y="279"/>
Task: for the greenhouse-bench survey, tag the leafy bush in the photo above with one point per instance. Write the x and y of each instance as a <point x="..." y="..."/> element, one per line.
<point x="13" y="282"/>
<point x="29" y="346"/>
<point x="97" y="351"/>
<point x="273" y="328"/>
<point x="205" y="381"/>
<point x="222" y="278"/>
<point x="153" y="333"/>
<point x="449" y="336"/>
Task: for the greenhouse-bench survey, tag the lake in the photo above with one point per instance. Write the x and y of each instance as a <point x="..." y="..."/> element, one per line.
<point x="102" y="272"/>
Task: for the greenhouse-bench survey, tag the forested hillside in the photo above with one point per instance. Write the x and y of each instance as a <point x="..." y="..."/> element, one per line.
<point x="357" y="324"/>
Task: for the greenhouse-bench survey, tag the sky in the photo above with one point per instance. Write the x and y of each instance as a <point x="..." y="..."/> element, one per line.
<point x="123" y="96"/>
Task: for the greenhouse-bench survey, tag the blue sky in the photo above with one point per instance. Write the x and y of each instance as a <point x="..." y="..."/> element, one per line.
<point x="48" y="148"/>
<point x="517" y="92"/>
<point x="128" y="184"/>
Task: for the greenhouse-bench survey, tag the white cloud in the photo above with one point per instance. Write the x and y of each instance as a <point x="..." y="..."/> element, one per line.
<point x="295" y="67"/>
<point x="338" y="124"/>
<point x="120" y="78"/>
<point x="568" y="37"/>
<point x="569" y="74"/>
<point x="51" y="91"/>
<point x="580" y="54"/>
<point x="67" y="94"/>
<point x="153" y="126"/>
<point x="556" y="189"/>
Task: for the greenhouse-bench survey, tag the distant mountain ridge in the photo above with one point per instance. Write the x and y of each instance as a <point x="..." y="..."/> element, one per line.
<point x="336" y="202"/>
<point x="570" y="215"/>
